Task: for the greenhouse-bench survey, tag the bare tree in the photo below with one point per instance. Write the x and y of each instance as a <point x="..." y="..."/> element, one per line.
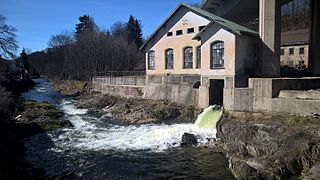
<point x="8" y="43"/>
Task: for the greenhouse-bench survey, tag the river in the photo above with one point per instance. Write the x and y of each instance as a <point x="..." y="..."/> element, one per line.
<point x="93" y="149"/>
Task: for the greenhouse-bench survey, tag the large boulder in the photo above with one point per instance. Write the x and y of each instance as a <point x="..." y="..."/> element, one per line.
<point x="188" y="140"/>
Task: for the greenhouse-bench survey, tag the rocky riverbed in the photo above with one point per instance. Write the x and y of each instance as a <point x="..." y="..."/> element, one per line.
<point x="258" y="145"/>
<point x="271" y="146"/>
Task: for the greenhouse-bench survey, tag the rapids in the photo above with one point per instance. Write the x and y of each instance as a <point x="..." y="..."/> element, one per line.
<point x="93" y="149"/>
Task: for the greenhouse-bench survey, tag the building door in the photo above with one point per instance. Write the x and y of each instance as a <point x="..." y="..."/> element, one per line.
<point x="216" y="92"/>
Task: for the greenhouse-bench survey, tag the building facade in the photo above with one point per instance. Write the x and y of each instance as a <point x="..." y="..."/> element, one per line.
<point x="194" y="54"/>
<point x="295" y="48"/>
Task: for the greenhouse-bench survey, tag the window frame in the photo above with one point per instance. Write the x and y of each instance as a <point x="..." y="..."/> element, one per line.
<point x="281" y="51"/>
<point x="179" y="32"/>
<point x="198" y="57"/>
<point x="301" y="50"/>
<point x="291" y="51"/>
<point x="189" y="63"/>
<point x="219" y="51"/>
<point x="190" y="30"/>
<point x="169" y="34"/>
<point x="154" y="60"/>
<point x="167" y="58"/>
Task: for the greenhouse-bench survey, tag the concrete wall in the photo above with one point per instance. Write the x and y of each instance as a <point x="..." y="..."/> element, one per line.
<point x="125" y="86"/>
<point x="176" y="88"/>
<point x="266" y="95"/>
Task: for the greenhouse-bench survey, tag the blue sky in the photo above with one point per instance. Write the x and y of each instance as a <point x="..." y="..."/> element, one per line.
<point x="37" y="20"/>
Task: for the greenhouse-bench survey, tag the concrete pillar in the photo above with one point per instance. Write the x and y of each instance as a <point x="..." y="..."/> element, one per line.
<point x="314" y="49"/>
<point x="270" y="33"/>
<point x="203" y="101"/>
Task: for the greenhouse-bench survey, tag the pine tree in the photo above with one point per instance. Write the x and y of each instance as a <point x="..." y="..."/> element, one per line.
<point x="138" y="33"/>
<point x="134" y="31"/>
<point x="85" y="26"/>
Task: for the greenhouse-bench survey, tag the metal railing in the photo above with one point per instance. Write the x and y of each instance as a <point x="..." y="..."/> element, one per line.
<point x="127" y="78"/>
<point x="120" y="73"/>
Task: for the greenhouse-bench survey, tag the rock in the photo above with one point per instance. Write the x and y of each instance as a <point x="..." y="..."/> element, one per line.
<point x="188" y="140"/>
<point x="276" y="146"/>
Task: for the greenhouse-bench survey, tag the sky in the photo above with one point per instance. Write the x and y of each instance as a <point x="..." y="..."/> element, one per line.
<point x="37" y="20"/>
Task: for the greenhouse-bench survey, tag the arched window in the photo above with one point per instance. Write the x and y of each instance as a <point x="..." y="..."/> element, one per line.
<point x="217" y="55"/>
<point x="151" y="60"/>
<point x="187" y="58"/>
<point x="169" y="58"/>
<point x="198" y="57"/>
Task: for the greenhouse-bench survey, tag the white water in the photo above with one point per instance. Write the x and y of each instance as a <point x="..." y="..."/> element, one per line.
<point x="88" y="136"/>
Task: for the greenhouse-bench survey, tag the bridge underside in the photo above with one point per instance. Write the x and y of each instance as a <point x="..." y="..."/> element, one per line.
<point x="265" y="16"/>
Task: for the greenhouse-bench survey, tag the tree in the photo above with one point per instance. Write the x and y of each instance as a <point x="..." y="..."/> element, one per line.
<point x="24" y="58"/>
<point x="8" y="43"/>
<point x="119" y="29"/>
<point x="60" y="40"/>
<point x="134" y="31"/>
<point x="85" y="26"/>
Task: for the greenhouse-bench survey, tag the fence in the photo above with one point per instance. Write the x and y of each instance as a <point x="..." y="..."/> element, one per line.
<point x="120" y="73"/>
<point x="124" y="78"/>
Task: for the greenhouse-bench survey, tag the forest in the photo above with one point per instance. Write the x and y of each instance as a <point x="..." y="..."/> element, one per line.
<point x="89" y="50"/>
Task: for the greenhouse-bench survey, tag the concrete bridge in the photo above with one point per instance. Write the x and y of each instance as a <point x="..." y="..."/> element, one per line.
<point x="269" y="14"/>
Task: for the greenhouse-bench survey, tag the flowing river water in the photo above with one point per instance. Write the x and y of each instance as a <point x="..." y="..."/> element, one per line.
<point x="95" y="150"/>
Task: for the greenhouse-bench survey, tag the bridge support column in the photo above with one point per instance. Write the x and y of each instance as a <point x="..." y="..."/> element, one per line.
<point x="314" y="49"/>
<point x="270" y="33"/>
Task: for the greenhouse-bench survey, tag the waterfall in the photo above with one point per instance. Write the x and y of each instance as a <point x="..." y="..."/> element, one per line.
<point x="209" y="117"/>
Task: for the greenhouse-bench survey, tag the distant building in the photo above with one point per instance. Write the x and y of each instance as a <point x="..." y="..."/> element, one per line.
<point x="295" y="48"/>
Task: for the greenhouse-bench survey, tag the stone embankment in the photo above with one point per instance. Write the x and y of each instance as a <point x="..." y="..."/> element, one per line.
<point x="118" y="110"/>
<point x="277" y="146"/>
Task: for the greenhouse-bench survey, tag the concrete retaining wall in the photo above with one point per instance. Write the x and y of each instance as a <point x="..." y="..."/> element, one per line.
<point x="176" y="88"/>
<point x="126" y="86"/>
<point x="266" y="95"/>
<point x="290" y="95"/>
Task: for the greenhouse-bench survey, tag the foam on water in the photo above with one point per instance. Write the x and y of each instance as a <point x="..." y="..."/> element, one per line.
<point x="87" y="136"/>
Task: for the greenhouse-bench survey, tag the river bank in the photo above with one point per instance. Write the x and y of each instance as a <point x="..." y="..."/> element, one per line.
<point x="21" y="119"/>
<point x="271" y="146"/>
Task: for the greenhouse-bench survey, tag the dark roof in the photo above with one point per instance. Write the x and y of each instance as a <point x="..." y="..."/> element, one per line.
<point x="236" y="28"/>
<point x="295" y="37"/>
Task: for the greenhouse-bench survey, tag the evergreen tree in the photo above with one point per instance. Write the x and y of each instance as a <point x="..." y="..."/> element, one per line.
<point x="134" y="31"/>
<point x="85" y="26"/>
<point x="138" y="33"/>
<point x="24" y="58"/>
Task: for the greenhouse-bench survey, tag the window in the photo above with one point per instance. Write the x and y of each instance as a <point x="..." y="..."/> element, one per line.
<point x="179" y="32"/>
<point x="169" y="34"/>
<point x="187" y="58"/>
<point x="282" y="51"/>
<point x="301" y="51"/>
<point x="151" y="60"/>
<point x="190" y="30"/>
<point x="291" y="51"/>
<point x="169" y="58"/>
<point x="217" y="55"/>
<point x="201" y="27"/>
<point x="198" y="57"/>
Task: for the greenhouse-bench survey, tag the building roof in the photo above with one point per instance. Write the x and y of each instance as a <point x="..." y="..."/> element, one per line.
<point x="236" y="28"/>
<point x="295" y="37"/>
